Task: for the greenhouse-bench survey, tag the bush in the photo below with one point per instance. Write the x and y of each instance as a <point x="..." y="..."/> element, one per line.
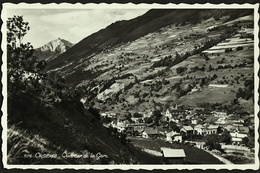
<point x="228" y="50"/>
<point x="239" y="48"/>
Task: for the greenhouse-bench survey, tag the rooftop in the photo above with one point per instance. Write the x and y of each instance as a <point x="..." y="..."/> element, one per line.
<point x="238" y="135"/>
<point x="187" y="128"/>
<point x="211" y="126"/>
<point x="151" y="131"/>
<point x="170" y="153"/>
<point x="172" y="133"/>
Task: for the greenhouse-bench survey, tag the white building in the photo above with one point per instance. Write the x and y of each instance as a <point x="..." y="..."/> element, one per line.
<point x="237" y="137"/>
<point x="173" y="136"/>
<point x="206" y="130"/>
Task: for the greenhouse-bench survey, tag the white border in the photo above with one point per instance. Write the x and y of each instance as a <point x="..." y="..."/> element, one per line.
<point x="7" y="6"/>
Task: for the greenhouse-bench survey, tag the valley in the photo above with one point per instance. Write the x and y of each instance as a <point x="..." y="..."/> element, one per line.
<point x="169" y="81"/>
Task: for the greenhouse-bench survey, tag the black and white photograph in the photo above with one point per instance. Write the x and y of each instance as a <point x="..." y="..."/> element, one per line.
<point x="130" y="86"/>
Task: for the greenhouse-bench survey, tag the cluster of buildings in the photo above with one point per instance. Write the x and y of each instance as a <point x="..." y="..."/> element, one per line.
<point x="189" y="122"/>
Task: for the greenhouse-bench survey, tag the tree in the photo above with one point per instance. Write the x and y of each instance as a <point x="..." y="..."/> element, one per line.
<point x="210" y="68"/>
<point x="148" y="120"/>
<point x="23" y="68"/>
<point x="157" y="115"/>
<point x="202" y="82"/>
<point x="180" y="70"/>
<point x="129" y="116"/>
<point x="174" y="126"/>
<point x="24" y="71"/>
<point x="137" y="115"/>
<point x="226" y="137"/>
<point x="228" y="50"/>
<point x="214" y="77"/>
<point x="245" y="140"/>
<point x="212" y="141"/>
<point x="29" y="89"/>
<point x="239" y="48"/>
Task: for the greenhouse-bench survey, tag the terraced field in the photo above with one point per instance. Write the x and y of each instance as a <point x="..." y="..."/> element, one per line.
<point x="174" y="65"/>
<point x="138" y="57"/>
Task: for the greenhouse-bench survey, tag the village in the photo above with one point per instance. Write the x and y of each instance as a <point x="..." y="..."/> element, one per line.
<point x="196" y="128"/>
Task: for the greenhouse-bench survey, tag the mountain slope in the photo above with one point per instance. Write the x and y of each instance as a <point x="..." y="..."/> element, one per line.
<point x="125" y="31"/>
<point x="155" y="61"/>
<point x="52" y="49"/>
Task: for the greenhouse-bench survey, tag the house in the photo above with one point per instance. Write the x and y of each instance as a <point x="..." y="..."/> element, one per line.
<point x="243" y="129"/>
<point x="113" y="123"/>
<point x="206" y="129"/>
<point x="198" y="144"/>
<point x="218" y="85"/>
<point x="235" y="148"/>
<point x="121" y="126"/>
<point x="173" y="113"/>
<point x="221" y="120"/>
<point x="139" y="127"/>
<point x="230" y="128"/>
<point x="219" y="114"/>
<point x="212" y="129"/>
<point x="194" y="121"/>
<point x="150" y="133"/>
<point x="238" y="123"/>
<point x="135" y="119"/>
<point x="135" y="128"/>
<point x="235" y="120"/>
<point x="236" y="137"/>
<point x="211" y="27"/>
<point x="103" y="114"/>
<point x="162" y="131"/>
<point x="178" y="112"/>
<point x="169" y="117"/>
<point x="121" y="118"/>
<point x="173" y="156"/>
<point x="200" y="129"/>
<point x="202" y="112"/>
<point x="173" y="136"/>
<point x="129" y="129"/>
<point x="187" y="129"/>
<point x="211" y="119"/>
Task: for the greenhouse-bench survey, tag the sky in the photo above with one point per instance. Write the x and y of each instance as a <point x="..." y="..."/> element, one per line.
<point x="69" y="24"/>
